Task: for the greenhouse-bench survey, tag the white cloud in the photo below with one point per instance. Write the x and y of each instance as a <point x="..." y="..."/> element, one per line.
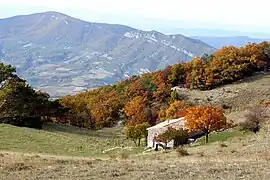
<point x="240" y="12"/>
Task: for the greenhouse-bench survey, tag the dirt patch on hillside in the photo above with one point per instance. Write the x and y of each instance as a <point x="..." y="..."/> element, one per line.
<point x="234" y="98"/>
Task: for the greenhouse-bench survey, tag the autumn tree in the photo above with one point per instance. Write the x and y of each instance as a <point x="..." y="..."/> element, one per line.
<point x="94" y="109"/>
<point x="181" y="113"/>
<point x="140" y="87"/>
<point x="205" y="118"/>
<point x="163" y="88"/>
<point x="137" y="110"/>
<point x="265" y="46"/>
<point x="231" y="63"/>
<point x="174" y="109"/>
<point x="104" y="107"/>
<point x="77" y="109"/>
<point x="197" y="74"/>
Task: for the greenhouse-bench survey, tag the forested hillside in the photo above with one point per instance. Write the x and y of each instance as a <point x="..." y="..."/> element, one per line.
<point x="139" y="101"/>
<point x="146" y="99"/>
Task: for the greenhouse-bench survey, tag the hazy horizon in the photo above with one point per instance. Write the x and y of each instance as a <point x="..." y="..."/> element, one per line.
<point x="226" y="18"/>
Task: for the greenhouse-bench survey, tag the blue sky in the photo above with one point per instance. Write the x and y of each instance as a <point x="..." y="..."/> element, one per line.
<point x="238" y="15"/>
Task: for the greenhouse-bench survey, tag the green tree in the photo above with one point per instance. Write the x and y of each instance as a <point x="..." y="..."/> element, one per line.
<point x="7" y="73"/>
<point x="180" y="136"/>
<point x="174" y="95"/>
<point x="19" y="100"/>
<point x="177" y="75"/>
<point x="137" y="132"/>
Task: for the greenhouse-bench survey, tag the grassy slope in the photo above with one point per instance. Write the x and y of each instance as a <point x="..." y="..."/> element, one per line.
<point x="245" y="157"/>
<point x="61" y="140"/>
<point x="69" y="141"/>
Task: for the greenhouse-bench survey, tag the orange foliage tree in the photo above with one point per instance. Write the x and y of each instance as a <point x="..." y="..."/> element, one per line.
<point x="175" y="107"/>
<point x="205" y="118"/>
<point x="137" y="111"/>
<point x="163" y="89"/>
<point x="175" y="110"/>
<point x="104" y="108"/>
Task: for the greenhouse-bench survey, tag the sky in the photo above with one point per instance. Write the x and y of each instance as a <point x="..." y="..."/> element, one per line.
<point x="237" y="15"/>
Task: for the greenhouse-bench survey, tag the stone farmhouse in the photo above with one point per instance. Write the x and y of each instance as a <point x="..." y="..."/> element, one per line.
<point x="154" y="131"/>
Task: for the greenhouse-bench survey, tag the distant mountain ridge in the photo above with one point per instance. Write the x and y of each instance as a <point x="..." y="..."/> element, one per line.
<point x="237" y="41"/>
<point x="215" y="32"/>
<point x="61" y="55"/>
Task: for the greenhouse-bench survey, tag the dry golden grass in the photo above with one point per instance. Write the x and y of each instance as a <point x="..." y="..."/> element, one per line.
<point x="163" y="166"/>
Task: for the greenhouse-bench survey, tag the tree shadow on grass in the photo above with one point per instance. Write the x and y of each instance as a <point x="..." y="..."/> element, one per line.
<point x="220" y="137"/>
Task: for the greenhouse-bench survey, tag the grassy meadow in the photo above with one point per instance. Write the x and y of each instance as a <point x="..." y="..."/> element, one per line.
<point x="54" y="154"/>
<point x="64" y="140"/>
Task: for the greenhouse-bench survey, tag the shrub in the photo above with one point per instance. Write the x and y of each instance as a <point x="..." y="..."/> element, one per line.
<point x="225" y="106"/>
<point x="174" y="95"/>
<point x="20" y="166"/>
<point x="182" y="152"/>
<point x="124" y="155"/>
<point x="180" y="137"/>
<point x="201" y="154"/>
<point x="112" y="155"/>
<point x="253" y="121"/>
<point x="31" y="122"/>
<point x="223" y="145"/>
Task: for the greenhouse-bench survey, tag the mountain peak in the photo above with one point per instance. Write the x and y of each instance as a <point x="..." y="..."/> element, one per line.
<point x="60" y="54"/>
<point x="55" y="14"/>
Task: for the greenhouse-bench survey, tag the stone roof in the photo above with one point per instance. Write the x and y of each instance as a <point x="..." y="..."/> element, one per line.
<point x="166" y="123"/>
